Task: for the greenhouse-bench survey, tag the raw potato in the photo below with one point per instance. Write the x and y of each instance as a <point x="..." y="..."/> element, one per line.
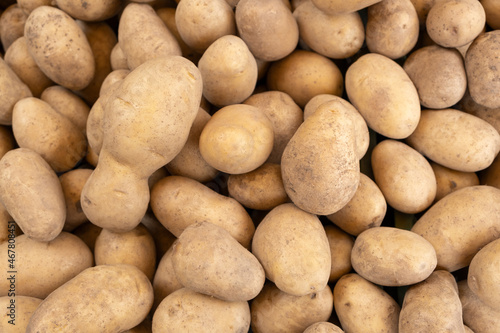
<point x="267" y="27"/>
<point x="178" y="202"/>
<point x="390" y="256"/>
<point x="490" y="115"/>
<point x="88" y="233"/>
<point x="365" y="210"/>
<point x="404" y="176"/>
<point x="229" y="71"/>
<point x="449" y="180"/>
<point x="27" y="177"/>
<point x="59" y="47"/>
<point x="13" y="90"/>
<point x="477" y="315"/>
<point x="455" y="139"/>
<point x="45" y="266"/>
<point x="492" y="10"/>
<point x="457" y="231"/>
<point x="208" y="260"/>
<point x="273" y="309"/>
<point x="392" y="28"/>
<point x="72" y="183"/>
<point x="113" y="77"/>
<point x="323" y="327"/>
<point x="12" y="22"/>
<point x="29" y="5"/>
<point x="135" y="247"/>
<point x="345" y="32"/>
<point x="188" y="311"/>
<point x="122" y="290"/>
<point x="432" y="305"/>
<point x="90" y="10"/>
<point x="165" y="281"/>
<point x="17" y="312"/>
<point x="340" y="248"/>
<point x="237" y="139"/>
<point x="364" y="307"/>
<point x="167" y="15"/>
<point x="438" y="74"/>
<point x="319" y="166"/>
<point x="484" y="274"/>
<point x="117" y="58"/>
<point x="340" y="7"/>
<point x="293" y="248"/>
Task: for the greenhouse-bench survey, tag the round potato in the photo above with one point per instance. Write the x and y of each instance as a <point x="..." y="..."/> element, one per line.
<point x="90" y="10"/>
<point x="72" y="183"/>
<point x="449" y="180"/>
<point x="13" y="90"/>
<point x="17" y="312"/>
<point x="477" y="315"/>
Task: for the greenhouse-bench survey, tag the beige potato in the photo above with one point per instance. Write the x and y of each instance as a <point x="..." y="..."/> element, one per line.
<point x="345" y="32"/>
<point x="117" y="58"/>
<point x="490" y="115"/>
<point x="432" y="305"/>
<point x="293" y="248"/>
<point x="27" y="177"/>
<point x="72" y="183"/>
<point x="115" y="76"/>
<point x="43" y="267"/>
<point x="59" y="47"/>
<point x="392" y="28"/>
<point x="13" y="90"/>
<point x="212" y="315"/>
<point x="39" y="127"/>
<point x="167" y="15"/>
<point x="7" y="141"/>
<point x="165" y="281"/>
<point x="385" y="96"/>
<point x="237" y="139"/>
<point x="305" y="74"/>
<point x="323" y="327"/>
<point x="363" y="306"/>
<point x="455" y="139"/>
<point x="422" y="7"/>
<point x="29" y="5"/>
<point x="477" y="315"/>
<point x="272" y="309"/>
<point x="340" y="7"/>
<point x="457" y="231"/>
<point x="491" y="9"/>
<point x="12" y="21"/>
<point x="365" y="210"/>
<point x="90" y="10"/>
<point x="8" y="227"/>
<point x="88" y="233"/>
<point x="123" y="290"/>
<point x="340" y="248"/>
<point x="320" y="168"/>
<point x="449" y="180"/>
<point x="17" y="312"/>
<point x="229" y="71"/>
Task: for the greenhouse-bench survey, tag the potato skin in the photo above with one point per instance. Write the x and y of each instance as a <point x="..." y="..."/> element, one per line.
<point x="339" y="7"/>
<point x="13" y="90"/>
<point x="477" y="315"/>
<point x="340" y="248"/>
<point x="12" y="22"/>
<point x="449" y="180"/>
<point x="24" y="308"/>
<point x="72" y="183"/>
<point x="90" y="10"/>
<point x="165" y="281"/>
<point x="323" y="327"/>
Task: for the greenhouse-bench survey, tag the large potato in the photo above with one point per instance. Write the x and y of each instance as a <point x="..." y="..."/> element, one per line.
<point x="13" y="90"/>
<point x="16" y="312"/>
<point x="477" y="315"/>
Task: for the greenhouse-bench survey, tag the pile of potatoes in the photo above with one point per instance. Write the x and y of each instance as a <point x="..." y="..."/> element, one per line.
<point x="250" y="165"/>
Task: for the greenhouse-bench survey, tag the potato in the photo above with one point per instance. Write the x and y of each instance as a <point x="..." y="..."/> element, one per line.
<point x="477" y="315"/>
<point x="455" y="139"/>
<point x="7" y="141"/>
<point x="491" y="9"/>
<point x="165" y="281"/>
<point x="113" y="77"/>
<point x="273" y="309"/>
<point x="422" y="7"/>
<point x="293" y="248"/>
<point x="12" y="23"/>
<point x="27" y="177"/>
<point x="117" y="58"/>
<point x="449" y="180"/>
<point x="59" y="47"/>
<point x="385" y="96"/>
<point x="460" y="224"/>
<point x="43" y="267"/>
<point x="453" y="23"/>
<point x="490" y="115"/>
<point x="432" y="305"/>
<point x="438" y="74"/>
<point x="188" y="311"/>
<point x="365" y="210"/>
<point x="13" y="90"/>
<point x="72" y="183"/>
<point x="162" y="237"/>
<point x="37" y="126"/>
<point x="339" y="7"/>
<point x="491" y="175"/>
<point x="305" y="74"/>
<point x="392" y="28"/>
<point x="345" y="32"/>
<point x="237" y="139"/>
<point x="320" y="168"/>
<point x="116" y="196"/>
<point x="483" y="276"/>
<point x="90" y="10"/>
<point x="29" y="5"/>
<point x="229" y="71"/>
<point x="122" y="290"/>
<point x="178" y="202"/>
<point x="323" y="327"/>
<point x="167" y="15"/>
<point x="17" y="312"/>
<point x="482" y="67"/>
<point x="143" y="35"/>
<point x="200" y="23"/>
<point x="88" y="233"/>
<point x="267" y="27"/>
<point x="363" y="306"/>
<point x="340" y="248"/>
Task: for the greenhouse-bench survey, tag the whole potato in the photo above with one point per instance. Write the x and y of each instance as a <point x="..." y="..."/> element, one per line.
<point x="90" y="10"/>
<point x="449" y="180"/>
<point x="340" y="7"/>
<point x="72" y="183"/>
<point x="13" y="90"/>
<point x="12" y="22"/>
<point x="116" y="75"/>
<point x="167" y="15"/>
<point x="340" y="248"/>
<point x="477" y="315"/>
<point x="17" y="312"/>
<point x="117" y="58"/>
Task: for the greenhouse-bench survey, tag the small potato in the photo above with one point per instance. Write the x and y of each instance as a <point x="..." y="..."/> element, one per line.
<point x="340" y="248"/>
<point x="211" y="315"/>
<point x="449" y="180"/>
<point x="334" y="7"/>
<point x="72" y="183"/>
<point x="455" y="139"/>
<point x="272" y="309"/>
<point x="323" y="327"/>
<point x="267" y="27"/>
<point x="229" y="71"/>
<point x="285" y="241"/>
<point x="365" y="210"/>
<point x="363" y="306"/>
<point x="12" y="23"/>
<point x="165" y="281"/>
<point x="385" y="96"/>
<point x="305" y="74"/>
<point x="477" y="315"/>
<point x="438" y="74"/>
<point x="492" y="10"/>
<point x="45" y="266"/>
<point x="27" y="177"/>
<point x="60" y="47"/>
<point x="13" y="90"/>
<point x="90" y="10"/>
<point x="123" y="290"/>
<point x="237" y="139"/>
<point x="17" y="312"/>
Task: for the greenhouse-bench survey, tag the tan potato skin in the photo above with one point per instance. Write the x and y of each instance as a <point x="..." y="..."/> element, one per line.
<point x="340" y="248"/>
<point x="46" y="266"/>
<point x="27" y="177"/>
<point x="449" y="180"/>
<point x="90" y="10"/>
<point x="432" y="305"/>
<point x="491" y="8"/>
<point x="13" y="90"/>
<point x="477" y="315"/>
<point x="340" y="7"/>
<point x="12" y="22"/>
<point x="490" y="115"/>
<point x="118" y="59"/>
<point x="24" y="307"/>
<point x="122" y="290"/>
<point x="29" y="5"/>
<point x="165" y="281"/>
<point x="59" y="47"/>
<point x="72" y="183"/>
<point x="113" y="77"/>
<point x="323" y="327"/>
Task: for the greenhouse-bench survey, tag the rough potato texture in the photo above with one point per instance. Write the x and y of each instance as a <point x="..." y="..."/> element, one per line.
<point x="90" y="10"/>
<point x="24" y="308"/>
<point x="449" y="180"/>
<point x="339" y="6"/>
<point x="13" y="90"/>
<point x="323" y="327"/>
<point x="340" y="248"/>
<point x="477" y="315"/>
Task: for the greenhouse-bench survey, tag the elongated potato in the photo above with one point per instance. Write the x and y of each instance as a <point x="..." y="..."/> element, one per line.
<point x="17" y="312"/>
<point x="477" y="315"/>
<point x="13" y="90"/>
